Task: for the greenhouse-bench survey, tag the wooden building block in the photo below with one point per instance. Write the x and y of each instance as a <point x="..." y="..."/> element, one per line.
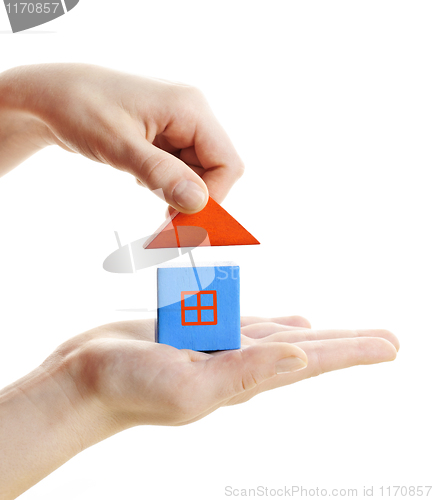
<point x="222" y="229"/>
<point x="199" y="307"/>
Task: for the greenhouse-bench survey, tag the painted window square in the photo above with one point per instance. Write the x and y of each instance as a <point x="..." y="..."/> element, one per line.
<point x="207" y="315"/>
<point x="191" y="316"/>
<point x="190" y="300"/>
<point x="206" y="299"/>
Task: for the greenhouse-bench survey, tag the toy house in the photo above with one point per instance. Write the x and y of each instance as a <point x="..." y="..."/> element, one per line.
<point x="199" y="306"/>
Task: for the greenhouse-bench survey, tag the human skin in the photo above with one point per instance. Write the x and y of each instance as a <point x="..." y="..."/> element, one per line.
<point x="163" y="133"/>
<point x="115" y="377"/>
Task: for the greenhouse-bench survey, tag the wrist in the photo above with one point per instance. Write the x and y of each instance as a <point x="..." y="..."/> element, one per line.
<point x="45" y="422"/>
<point x="19" y="122"/>
<point x="88" y="420"/>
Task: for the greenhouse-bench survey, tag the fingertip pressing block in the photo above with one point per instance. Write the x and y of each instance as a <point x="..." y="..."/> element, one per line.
<point x="199" y="307"/>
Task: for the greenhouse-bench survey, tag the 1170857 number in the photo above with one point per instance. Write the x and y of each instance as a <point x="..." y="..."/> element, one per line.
<point x="403" y="491"/>
<point x="36" y="8"/>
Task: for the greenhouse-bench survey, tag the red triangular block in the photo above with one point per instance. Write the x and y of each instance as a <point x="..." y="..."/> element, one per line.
<point x="222" y="229"/>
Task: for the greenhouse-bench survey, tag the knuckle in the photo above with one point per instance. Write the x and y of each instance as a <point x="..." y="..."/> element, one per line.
<point x="317" y="361"/>
<point x="153" y="169"/>
<point x="189" y="98"/>
<point x="249" y="380"/>
<point x="193" y="92"/>
<point x="248" y="377"/>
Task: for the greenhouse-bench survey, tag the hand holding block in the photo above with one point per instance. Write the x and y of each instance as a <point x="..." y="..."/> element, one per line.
<point x="199" y="307"/>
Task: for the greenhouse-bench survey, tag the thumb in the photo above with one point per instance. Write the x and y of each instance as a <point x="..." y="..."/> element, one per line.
<point x="171" y="179"/>
<point x="237" y="372"/>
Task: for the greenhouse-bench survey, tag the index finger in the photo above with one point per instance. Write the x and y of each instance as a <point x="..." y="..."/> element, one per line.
<point x="217" y="155"/>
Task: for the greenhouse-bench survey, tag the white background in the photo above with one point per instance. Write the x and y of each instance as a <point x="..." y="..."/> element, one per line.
<point x="330" y="106"/>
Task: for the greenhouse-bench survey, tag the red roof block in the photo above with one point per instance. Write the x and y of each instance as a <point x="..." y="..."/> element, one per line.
<point x="222" y="230"/>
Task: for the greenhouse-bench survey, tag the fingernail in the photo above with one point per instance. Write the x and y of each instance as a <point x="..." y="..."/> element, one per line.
<point x="291" y="364"/>
<point x="189" y="195"/>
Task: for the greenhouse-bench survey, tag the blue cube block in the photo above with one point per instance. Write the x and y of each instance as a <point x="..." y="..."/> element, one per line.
<point x="199" y="308"/>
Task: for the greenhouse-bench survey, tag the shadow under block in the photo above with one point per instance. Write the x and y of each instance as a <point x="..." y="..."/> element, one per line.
<point x="199" y="308"/>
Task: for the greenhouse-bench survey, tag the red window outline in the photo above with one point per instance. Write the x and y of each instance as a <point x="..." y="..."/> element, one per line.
<point x="199" y="308"/>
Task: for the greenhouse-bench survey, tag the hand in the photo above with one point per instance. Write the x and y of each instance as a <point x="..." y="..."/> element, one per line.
<point x="163" y="133"/>
<point x="115" y="376"/>
<point x="146" y="383"/>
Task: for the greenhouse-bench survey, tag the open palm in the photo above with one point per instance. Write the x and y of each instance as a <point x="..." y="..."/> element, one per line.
<point x="138" y="381"/>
